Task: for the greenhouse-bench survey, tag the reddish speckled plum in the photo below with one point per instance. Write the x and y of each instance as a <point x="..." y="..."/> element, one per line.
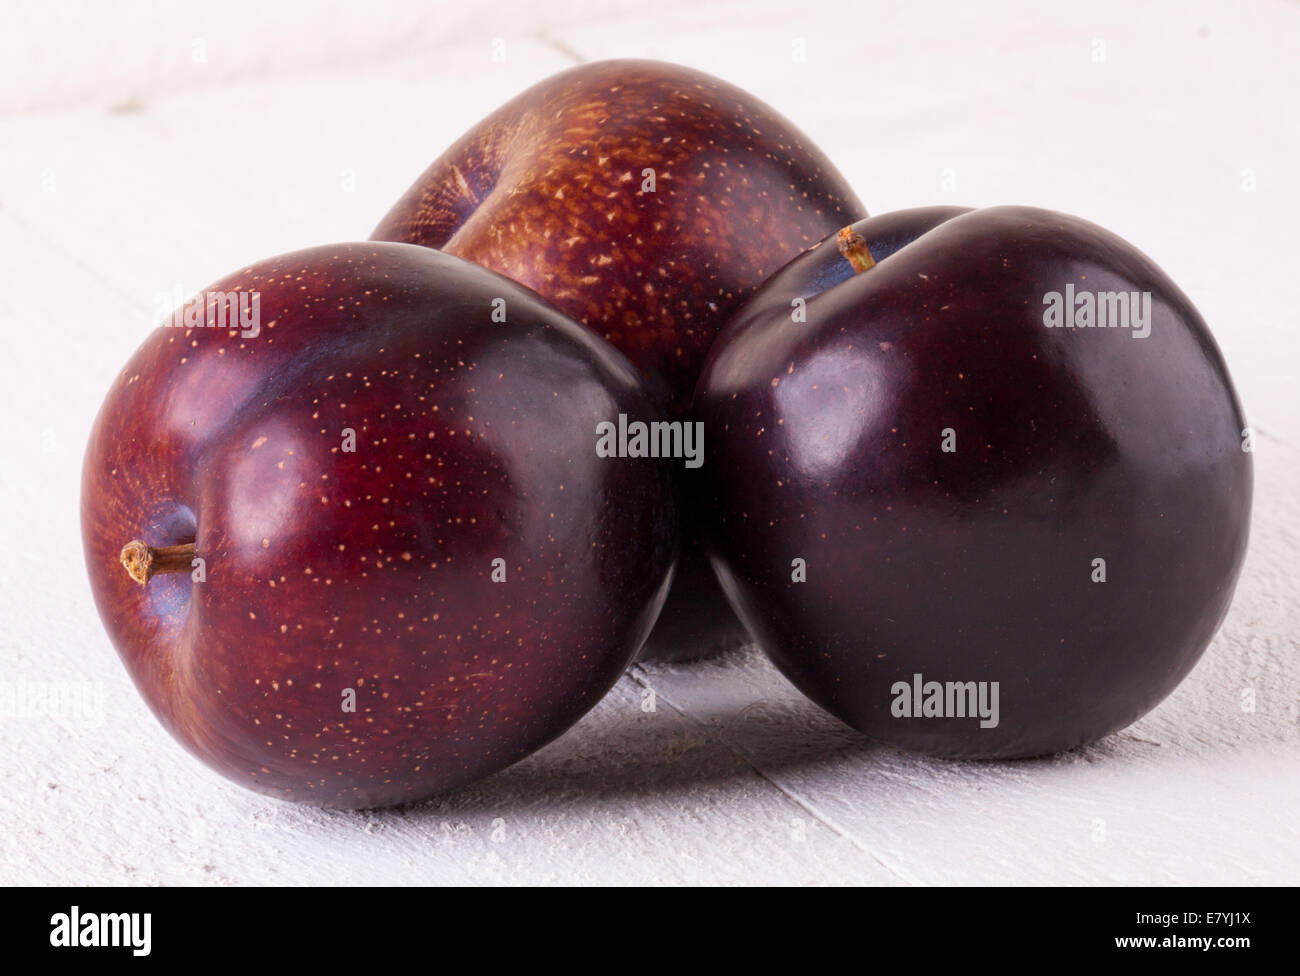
<point x="645" y="200"/>
<point x="1055" y="514"/>
<point x="415" y="567"/>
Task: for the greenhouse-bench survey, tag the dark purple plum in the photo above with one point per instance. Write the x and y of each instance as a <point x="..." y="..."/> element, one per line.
<point x="1055" y="513"/>
<point x="415" y="569"/>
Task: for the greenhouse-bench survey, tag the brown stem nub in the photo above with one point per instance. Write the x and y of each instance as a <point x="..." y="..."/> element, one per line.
<point x="143" y="562"/>
<point x="855" y="250"/>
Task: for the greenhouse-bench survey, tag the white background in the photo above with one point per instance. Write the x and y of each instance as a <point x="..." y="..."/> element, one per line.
<point x="128" y="168"/>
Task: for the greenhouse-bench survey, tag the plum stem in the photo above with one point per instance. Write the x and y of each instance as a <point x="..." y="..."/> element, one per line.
<point x="855" y="250"/>
<point x="143" y="562"/>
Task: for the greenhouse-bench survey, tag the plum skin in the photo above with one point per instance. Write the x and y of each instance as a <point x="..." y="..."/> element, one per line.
<point x="548" y="190"/>
<point x="371" y="571"/>
<point x="976" y="565"/>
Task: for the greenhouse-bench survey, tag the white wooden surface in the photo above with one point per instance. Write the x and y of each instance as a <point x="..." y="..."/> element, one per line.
<point x="1173" y="125"/>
